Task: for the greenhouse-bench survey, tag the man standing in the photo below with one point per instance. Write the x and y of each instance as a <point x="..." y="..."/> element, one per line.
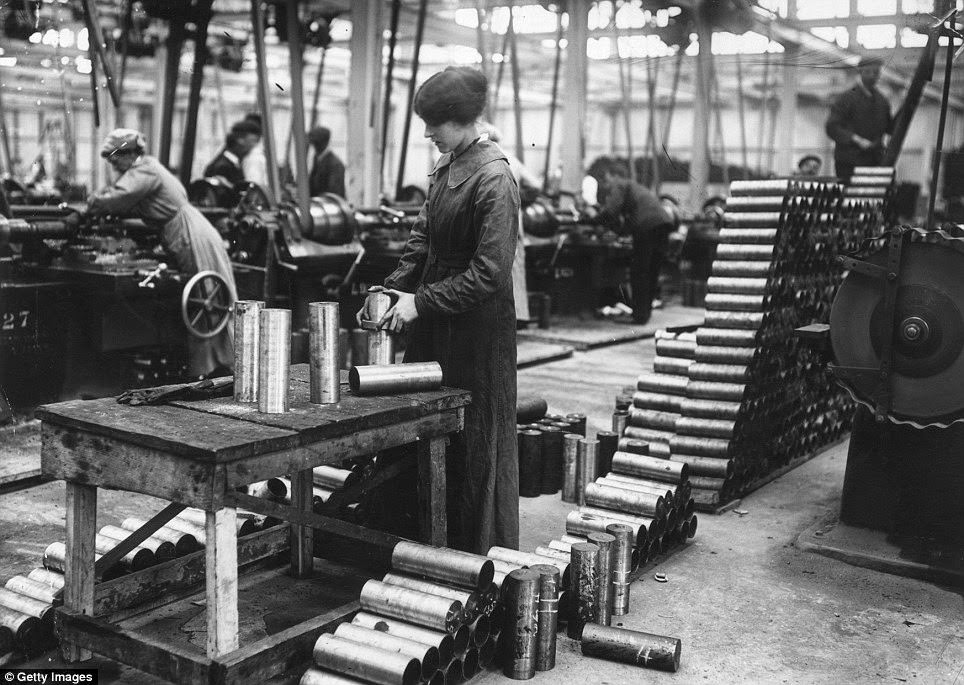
<point x="255" y="164"/>
<point x="859" y="119"/>
<point x="643" y="217"/>
<point x="327" y="173"/>
<point x="244" y="136"/>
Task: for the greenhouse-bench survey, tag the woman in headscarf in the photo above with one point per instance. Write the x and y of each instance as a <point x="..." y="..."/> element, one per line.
<point x="454" y="289"/>
<point x="146" y="190"/>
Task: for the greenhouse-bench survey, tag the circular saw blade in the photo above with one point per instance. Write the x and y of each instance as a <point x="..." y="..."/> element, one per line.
<point x="927" y="380"/>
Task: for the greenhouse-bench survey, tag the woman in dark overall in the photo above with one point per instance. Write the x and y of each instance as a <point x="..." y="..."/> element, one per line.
<point x="146" y="190"/>
<point x="454" y="289"/>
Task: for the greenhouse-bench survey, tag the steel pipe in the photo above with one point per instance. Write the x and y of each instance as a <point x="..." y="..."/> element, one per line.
<point x="656" y="401"/>
<point x="587" y="462"/>
<point x="315" y="676"/>
<point x="578" y="423"/>
<point x="632" y="647"/>
<point x="711" y="409"/>
<point x="714" y="428"/>
<point x="274" y="360"/>
<point x="656" y="420"/>
<point x="445" y="643"/>
<point x="365" y="661"/>
<point x="692" y="523"/>
<point x="749" y="320"/>
<point x="444" y="565"/>
<point x="48" y="577"/>
<point x="184" y="526"/>
<point x="735" y="286"/>
<point x="748" y="236"/>
<point x="29" y="606"/>
<point x="453" y="672"/>
<point x="675" y="366"/>
<point x="163" y="550"/>
<point x="582" y="588"/>
<point x="470" y="663"/>
<point x="641" y="486"/>
<point x="359" y="347"/>
<point x="623" y="566"/>
<point x="430" y="611"/>
<point x="752" y="219"/>
<point x="184" y="543"/>
<point x="730" y="302"/>
<point x="487" y="652"/>
<point x="710" y="390"/>
<point x="469" y="600"/>
<point x="726" y="337"/>
<point x="653" y="437"/>
<point x="247" y="331"/>
<point x="548" y="616"/>
<point x="700" y="446"/>
<point x="520" y="640"/>
<point x="333" y="478"/>
<point x="742" y="252"/>
<point x="479" y="630"/>
<point x="608" y="445"/>
<point x="720" y="373"/>
<point x="323" y="353"/>
<point x="137" y="559"/>
<point x="570" y="468"/>
<point x="580" y="523"/>
<point x="530" y="408"/>
<point x="642" y="466"/>
<point x="426" y="655"/>
<point x="27" y="630"/>
<point x="604" y="575"/>
<point x="619" y="499"/>
<point x="619" y="421"/>
<point x="381" y="343"/>
<point x="552" y="474"/>
<point x="661" y="383"/>
<point x="42" y="592"/>
<point x="395" y="378"/>
<point x="527" y="559"/>
<point x="674" y="347"/>
<point x="633" y="445"/>
<point x="530" y="463"/>
<point x="755" y="203"/>
<point x="654" y="526"/>
<point x="731" y="268"/>
<point x="706" y="466"/>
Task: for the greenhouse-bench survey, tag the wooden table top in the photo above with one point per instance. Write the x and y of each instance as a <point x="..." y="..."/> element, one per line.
<point x="222" y="430"/>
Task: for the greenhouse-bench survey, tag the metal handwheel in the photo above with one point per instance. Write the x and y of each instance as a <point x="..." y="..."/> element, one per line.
<point x="206" y="304"/>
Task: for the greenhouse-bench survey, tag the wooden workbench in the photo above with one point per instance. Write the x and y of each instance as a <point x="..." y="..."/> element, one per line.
<point x="197" y="454"/>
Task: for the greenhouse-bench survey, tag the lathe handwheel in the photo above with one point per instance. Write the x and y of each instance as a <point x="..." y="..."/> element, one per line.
<point x="206" y="304"/>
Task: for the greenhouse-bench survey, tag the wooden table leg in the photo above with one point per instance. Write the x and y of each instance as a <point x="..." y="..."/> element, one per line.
<point x="431" y="491"/>
<point x="79" y="571"/>
<point x="302" y="548"/>
<point x="221" y="579"/>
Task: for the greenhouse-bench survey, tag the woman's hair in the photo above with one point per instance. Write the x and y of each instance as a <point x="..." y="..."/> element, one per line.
<point x="455" y="94"/>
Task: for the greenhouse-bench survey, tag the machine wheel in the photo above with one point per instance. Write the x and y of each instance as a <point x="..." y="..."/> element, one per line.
<point x="206" y="304"/>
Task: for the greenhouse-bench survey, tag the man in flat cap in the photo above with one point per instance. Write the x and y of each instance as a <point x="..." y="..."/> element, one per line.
<point x="327" y="173"/>
<point x="859" y="119"/>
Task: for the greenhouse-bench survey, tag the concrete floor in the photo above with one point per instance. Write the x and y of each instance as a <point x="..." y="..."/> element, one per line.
<point x="748" y="606"/>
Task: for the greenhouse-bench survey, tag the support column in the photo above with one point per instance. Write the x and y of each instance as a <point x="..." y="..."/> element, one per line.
<point x="574" y="86"/>
<point x="364" y="103"/>
<point x="221" y="580"/>
<point x="81" y="528"/>
<point x="788" y="112"/>
<point x="699" y="157"/>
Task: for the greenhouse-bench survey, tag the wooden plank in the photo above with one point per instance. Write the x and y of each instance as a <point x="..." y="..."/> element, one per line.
<point x="315" y="423"/>
<point x="173" y="429"/>
<point x="221" y="580"/>
<point x="287" y="650"/>
<point x="178" y="577"/>
<point x="81" y="528"/>
<point x="432" y="524"/>
<point x="323" y="523"/>
<point x="363" y="442"/>
<point x="166" y="661"/>
<point x="76" y="456"/>
<point x="136" y="538"/>
<point x="301" y="536"/>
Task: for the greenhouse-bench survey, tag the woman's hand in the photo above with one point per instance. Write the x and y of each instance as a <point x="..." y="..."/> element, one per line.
<point x="402" y="314"/>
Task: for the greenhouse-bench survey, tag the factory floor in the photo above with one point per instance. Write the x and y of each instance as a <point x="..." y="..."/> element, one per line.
<point x="748" y="605"/>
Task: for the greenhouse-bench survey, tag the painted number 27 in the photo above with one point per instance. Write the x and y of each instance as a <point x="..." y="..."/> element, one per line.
<point x="14" y="320"/>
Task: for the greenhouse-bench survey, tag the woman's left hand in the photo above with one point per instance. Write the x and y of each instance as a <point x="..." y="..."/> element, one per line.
<point x="402" y="314"/>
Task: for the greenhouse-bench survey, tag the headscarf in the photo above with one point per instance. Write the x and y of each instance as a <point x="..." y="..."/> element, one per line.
<point x="123" y="139"/>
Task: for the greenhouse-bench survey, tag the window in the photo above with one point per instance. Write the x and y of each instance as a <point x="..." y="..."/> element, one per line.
<point x="822" y="9"/>
<point x="833" y="34"/>
<point x="877" y="36"/>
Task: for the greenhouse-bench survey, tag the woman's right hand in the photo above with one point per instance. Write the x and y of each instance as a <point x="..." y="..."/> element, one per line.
<point x="363" y="312"/>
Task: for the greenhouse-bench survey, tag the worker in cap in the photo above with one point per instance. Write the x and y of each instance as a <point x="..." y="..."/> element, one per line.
<point x="327" y="173"/>
<point x="859" y="119"/>
<point x="144" y="189"/>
